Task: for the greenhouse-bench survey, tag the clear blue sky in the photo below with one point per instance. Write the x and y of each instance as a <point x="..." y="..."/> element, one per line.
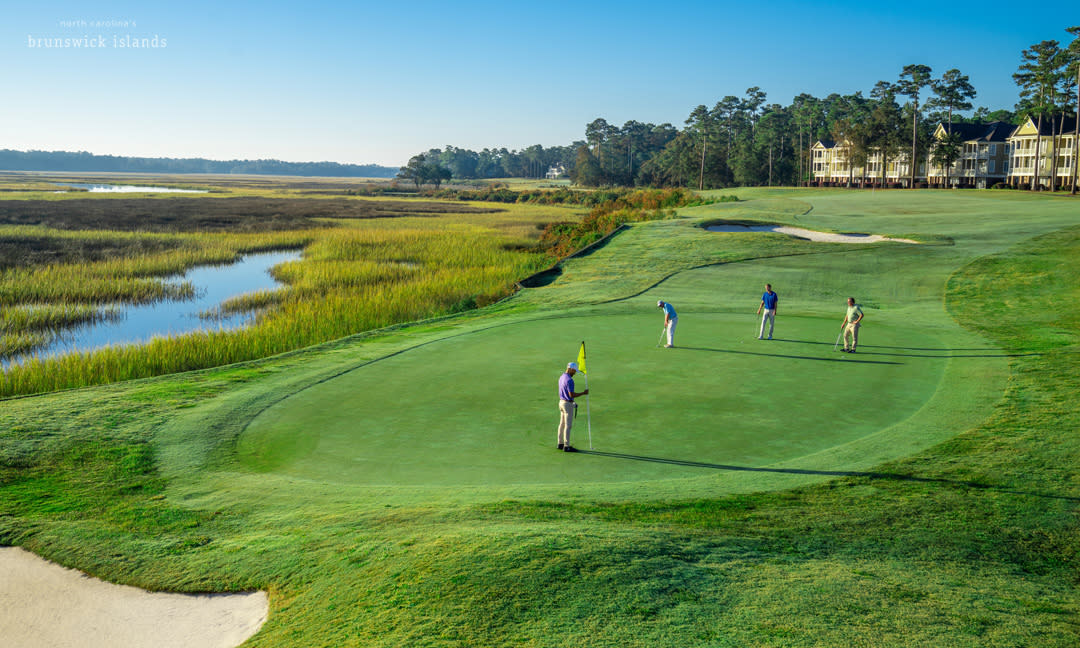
<point x="367" y="82"/>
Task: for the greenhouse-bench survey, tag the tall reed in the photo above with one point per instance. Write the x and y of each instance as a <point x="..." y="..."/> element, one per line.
<point x="361" y="275"/>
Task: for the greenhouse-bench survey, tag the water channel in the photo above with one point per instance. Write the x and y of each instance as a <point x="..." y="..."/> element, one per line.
<point x="111" y="188"/>
<point x="141" y="322"/>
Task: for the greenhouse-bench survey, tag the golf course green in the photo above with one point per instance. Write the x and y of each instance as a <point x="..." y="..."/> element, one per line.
<point x="480" y="406"/>
<point x="402" y="486"/>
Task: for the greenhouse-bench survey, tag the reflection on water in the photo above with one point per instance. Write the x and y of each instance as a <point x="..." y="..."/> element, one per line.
<point x="140" y="323"/>
<point x="109" y="188"/>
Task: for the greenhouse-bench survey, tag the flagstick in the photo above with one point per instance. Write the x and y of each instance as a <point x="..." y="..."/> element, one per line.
<point x="588" y="413"/>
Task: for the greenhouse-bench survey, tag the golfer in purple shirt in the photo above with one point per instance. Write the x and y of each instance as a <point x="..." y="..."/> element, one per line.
<point x="567" y="405"/>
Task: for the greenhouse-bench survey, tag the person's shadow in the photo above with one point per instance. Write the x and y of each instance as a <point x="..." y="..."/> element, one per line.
<point x="844" y="358"/>
<point x="942" y="352"/>
<point x="825" y="473"/>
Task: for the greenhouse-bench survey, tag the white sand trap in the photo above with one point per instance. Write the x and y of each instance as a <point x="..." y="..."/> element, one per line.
<point x="45" y="605"/>
<point x="824" y="237"/>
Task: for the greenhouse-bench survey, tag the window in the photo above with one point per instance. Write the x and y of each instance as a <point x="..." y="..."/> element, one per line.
<point x="993" y="149"/>
<point x="993" y="163"/>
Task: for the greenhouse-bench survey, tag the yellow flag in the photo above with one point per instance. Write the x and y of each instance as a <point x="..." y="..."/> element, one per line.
<point x="581" y="358"/>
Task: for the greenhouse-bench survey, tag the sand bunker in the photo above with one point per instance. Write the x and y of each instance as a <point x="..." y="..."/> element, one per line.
<point x="824" y="237"/>
<point x="44" y="604"/>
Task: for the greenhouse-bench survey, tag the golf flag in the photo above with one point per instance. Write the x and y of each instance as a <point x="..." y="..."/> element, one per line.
<point x="581" y="359"/>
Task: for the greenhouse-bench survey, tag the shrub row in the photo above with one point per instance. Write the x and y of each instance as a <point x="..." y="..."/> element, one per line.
<point x="564" y="239"/>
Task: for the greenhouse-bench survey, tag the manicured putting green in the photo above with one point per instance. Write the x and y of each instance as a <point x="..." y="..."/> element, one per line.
<point x="481" y="408"/>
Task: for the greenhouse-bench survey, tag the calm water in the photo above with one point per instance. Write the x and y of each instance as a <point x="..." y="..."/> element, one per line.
<point x="140" y="323"/>
<point x="108" y="188"/>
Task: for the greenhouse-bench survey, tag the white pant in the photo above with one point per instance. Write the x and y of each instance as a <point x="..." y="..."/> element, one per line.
<point x="671" y="330"/>
<point x="770" y="315"/>
<point x="566" y="421"/>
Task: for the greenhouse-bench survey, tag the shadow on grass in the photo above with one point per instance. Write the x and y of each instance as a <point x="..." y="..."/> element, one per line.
<point x="793" y="357"/>
<point x="991" y="352"/>
<point x="825" y="473"/>
<point x="542" y="278"/>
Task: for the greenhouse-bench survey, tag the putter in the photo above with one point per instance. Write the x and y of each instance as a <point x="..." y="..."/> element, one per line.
<point x="837" y="340"/>
<point x="663" y="333"/>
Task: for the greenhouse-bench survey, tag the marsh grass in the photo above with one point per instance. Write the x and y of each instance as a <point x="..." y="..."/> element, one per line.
<point x="29" y="327"/>
<point x="211" y="214"/>
<point x="20" y="342"/>
<point x="133" y="275"/>
<point x="27" y="246"/>
<point x="360" y="274"/>
<point x="45" y="317"/>
<point x="253" y="302"/>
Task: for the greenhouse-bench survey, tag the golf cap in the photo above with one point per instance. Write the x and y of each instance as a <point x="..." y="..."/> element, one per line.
<point x="660" y="304"/>
<point x="572" y="365"/>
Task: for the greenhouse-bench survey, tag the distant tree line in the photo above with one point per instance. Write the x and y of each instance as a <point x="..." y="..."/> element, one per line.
<point x="464" y="164"/>
<point x="11" y="160"/>
<point x="746" y="141"/>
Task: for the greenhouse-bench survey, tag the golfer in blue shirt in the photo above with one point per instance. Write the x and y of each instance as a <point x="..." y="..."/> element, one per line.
<point x="670" y="320"/>
<point x="768" y="302"/>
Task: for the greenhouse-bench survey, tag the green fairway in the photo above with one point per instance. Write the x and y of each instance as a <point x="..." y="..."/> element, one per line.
<point x="401" y="487"/>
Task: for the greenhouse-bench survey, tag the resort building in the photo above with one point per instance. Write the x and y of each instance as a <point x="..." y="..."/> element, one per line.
<point x="830" y="164"/>
<point x="1055" y="153"/>
<point x="830" y="168"/>
<point x="984" y="156"/>
<point x="992" y="154"/>
<point x="821" y="160"/>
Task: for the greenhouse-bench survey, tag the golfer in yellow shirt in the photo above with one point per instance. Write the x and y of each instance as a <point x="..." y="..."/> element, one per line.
<point x="850" y="327"/>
